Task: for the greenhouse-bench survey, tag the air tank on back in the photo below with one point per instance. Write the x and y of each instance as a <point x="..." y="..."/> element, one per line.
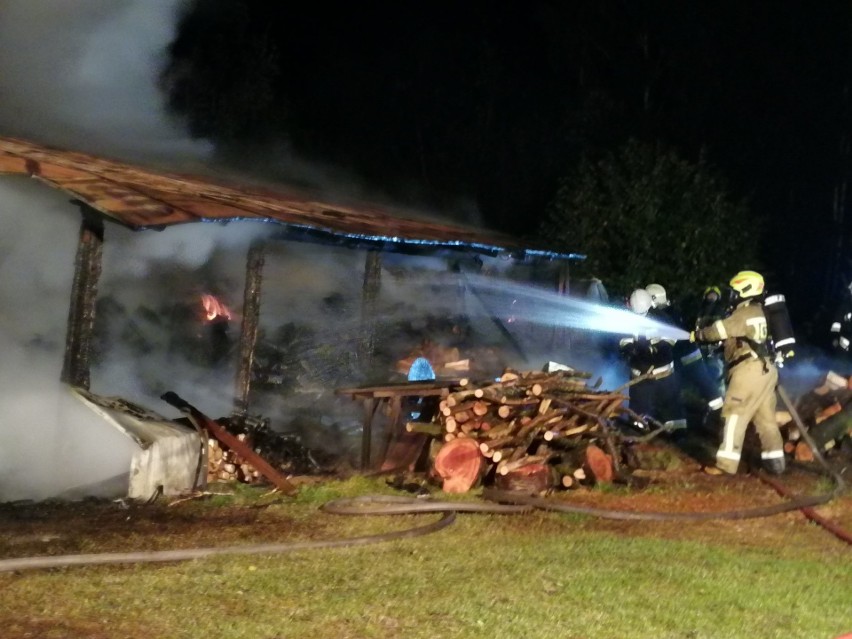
<point x="779" y="324"/>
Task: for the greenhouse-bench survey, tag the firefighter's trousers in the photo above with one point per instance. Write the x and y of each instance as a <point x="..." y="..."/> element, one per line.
<point x="750" y="398"/>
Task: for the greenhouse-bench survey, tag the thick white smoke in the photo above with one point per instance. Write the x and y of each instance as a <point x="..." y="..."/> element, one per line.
<point x="80" y="74"/>
<point x="50" y="442"/>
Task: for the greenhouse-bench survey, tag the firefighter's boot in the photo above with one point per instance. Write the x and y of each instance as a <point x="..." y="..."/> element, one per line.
<point x="774" y="466"/>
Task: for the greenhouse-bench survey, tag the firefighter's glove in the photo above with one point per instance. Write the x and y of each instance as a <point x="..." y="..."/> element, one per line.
<point x="692" y="336"/>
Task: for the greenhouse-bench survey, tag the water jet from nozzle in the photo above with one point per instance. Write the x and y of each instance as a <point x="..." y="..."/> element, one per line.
<point x="511" y="301"/>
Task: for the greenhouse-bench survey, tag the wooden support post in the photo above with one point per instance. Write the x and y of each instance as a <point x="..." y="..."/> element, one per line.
<point x="563" y="282"/>
<point x="248" y="327"/>
<point x="395" y="410"/>
<point x="367" y="433"/>
<point x="369" y="297"/>
<point x="84" y="293"/>
<point x="559" y="335"/>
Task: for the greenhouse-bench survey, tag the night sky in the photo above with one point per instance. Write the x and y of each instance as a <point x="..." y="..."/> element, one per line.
<point x="496" y="102"/>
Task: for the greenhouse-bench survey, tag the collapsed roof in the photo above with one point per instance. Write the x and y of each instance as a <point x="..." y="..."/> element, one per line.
<point x="142" y="198"/>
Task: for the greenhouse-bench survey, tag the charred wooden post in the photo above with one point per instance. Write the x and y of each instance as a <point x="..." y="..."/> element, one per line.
<point x="248" y="327"/>
<point x="84" y="292"/>
<point x="369" y="297"/>
<point x="563" y="279"/>
<point x="559" y="334"/>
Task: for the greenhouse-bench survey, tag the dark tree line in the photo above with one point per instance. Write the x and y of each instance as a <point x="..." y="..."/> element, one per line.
<point x="500" y="101"/>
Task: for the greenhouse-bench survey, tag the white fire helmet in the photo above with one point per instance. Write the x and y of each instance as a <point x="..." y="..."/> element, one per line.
<point x="640" y="301"/>
<point x="658" y="295"/>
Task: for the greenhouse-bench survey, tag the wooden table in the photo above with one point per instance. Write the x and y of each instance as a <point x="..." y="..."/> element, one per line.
<point x="372" y="397"/>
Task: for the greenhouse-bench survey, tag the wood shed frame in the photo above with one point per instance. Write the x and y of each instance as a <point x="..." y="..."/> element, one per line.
<point x="141" y="198"/>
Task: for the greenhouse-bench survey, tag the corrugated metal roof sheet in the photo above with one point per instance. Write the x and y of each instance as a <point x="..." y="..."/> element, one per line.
<point x="145" y="198"/>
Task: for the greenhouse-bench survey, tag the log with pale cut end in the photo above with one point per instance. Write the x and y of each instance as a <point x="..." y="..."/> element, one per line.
<point x="480" y="408"/>
<point x="503" y="454"/>
<point x="462" y="416"/>
<point x="509" y="465"/>
<point x="501" y="442"/>
<point x="424" y="428"/>
<point x="599" y="464"/>
<point x="459" y="463"/>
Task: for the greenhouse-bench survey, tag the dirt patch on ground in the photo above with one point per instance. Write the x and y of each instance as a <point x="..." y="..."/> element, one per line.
<point x="55" y="528"/>
<point x="690" y="490"/>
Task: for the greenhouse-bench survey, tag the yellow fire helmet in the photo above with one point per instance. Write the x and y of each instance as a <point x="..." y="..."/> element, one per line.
<point x="713" y="289"/>
<point x="747" y="284"/>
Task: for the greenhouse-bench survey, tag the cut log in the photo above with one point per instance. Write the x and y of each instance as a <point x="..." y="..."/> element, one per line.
<point x="803" y="452"/>
<point x="459" y="463"/>
<point x="506" y="467"/>
<point x="480" y="408"/>
<point x="531" y="479"/>
<point x="458" y="365"/>
<point x="504" y="411"/>
<point x="425" y="428"/>
<point x="599" y="464"/>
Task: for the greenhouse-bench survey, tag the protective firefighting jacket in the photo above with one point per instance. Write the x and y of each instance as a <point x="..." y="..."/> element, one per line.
<point x="648" y="356"/>
<point x="744" y="334"/>
<point x="841" y="327"/>
<point x="683" y="353"/>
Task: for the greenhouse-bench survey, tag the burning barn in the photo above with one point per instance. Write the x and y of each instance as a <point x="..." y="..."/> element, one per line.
<point x="207" y="324"/>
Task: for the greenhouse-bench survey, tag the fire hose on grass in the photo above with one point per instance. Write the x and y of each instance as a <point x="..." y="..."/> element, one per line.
<point x="498" y="502"/>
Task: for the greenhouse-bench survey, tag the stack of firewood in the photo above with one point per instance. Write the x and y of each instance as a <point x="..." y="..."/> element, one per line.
<point x="526" y="431"/>
<point x="224" y="464"/>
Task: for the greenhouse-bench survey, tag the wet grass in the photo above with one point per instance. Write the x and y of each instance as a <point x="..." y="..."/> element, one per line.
<point x="514" y="576"/>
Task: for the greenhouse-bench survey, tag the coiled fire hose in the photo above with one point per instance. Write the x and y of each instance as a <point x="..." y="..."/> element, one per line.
<point x="505" y="502"/>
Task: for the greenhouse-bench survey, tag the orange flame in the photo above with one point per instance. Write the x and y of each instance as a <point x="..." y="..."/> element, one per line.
<point x="213" y="308"/>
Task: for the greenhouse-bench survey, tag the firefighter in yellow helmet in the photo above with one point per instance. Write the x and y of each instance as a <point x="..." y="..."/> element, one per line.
<point x="752" y="376"/>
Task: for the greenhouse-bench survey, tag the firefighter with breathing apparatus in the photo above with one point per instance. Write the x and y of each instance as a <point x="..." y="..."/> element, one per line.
<point x="688" y="359"/>
<point x="657" y="394"/>
<point x="712" y="308"/>
<point x="841" y="334"/>
<point x="756" y="335"/>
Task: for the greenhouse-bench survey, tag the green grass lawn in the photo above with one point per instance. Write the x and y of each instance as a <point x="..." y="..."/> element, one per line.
<point x="536" y="575"/>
